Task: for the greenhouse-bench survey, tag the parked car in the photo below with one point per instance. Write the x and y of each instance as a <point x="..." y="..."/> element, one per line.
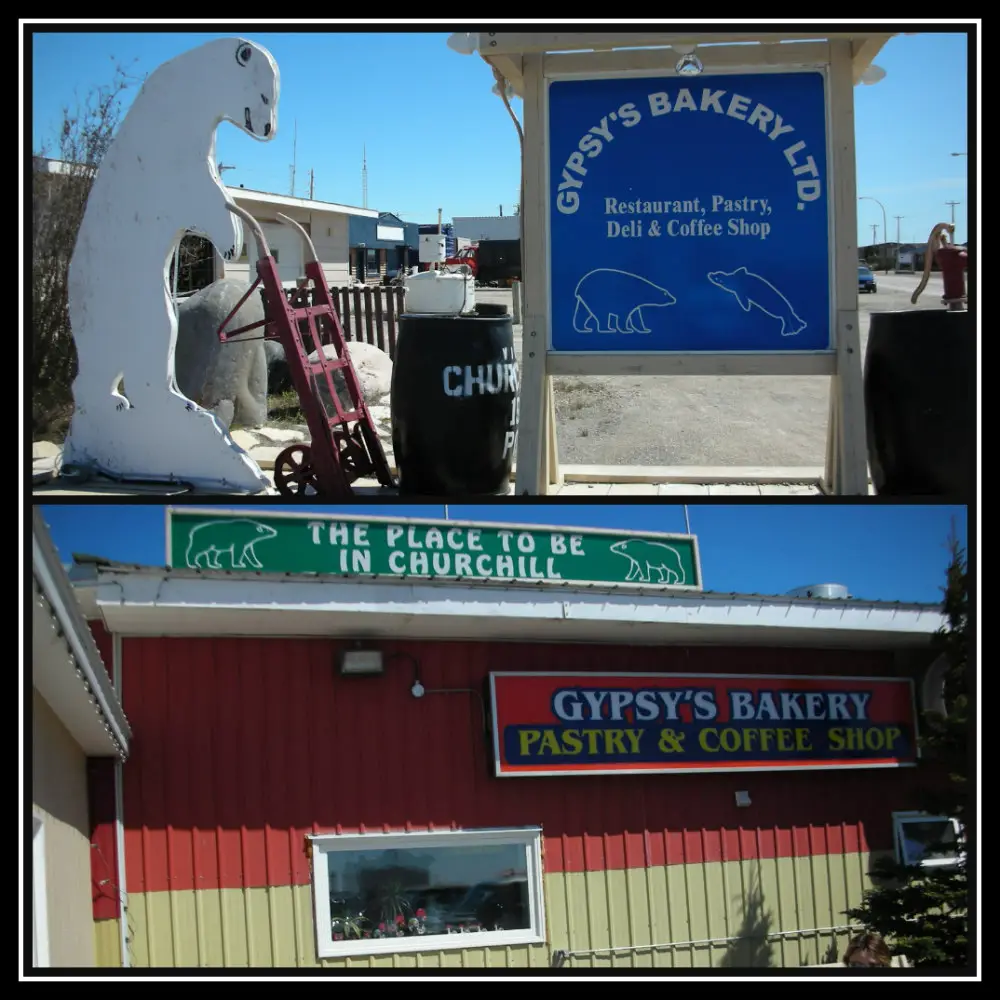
<point x="866" y="280"/>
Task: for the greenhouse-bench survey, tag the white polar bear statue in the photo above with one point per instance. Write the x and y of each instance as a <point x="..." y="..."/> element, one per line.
<point x="157" y="181"/>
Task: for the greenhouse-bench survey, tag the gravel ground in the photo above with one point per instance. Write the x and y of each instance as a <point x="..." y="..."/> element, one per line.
<point x="708" y="420"/>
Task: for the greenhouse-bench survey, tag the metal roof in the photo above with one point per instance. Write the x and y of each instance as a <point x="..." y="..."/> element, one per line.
<point x="146" y="600"/>
<point x="312" y="204"/>
<point x="86" y="569"/>
<point x="67" y="669"/>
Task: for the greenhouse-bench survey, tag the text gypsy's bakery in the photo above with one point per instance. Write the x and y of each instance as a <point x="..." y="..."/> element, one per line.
<point x="403" y="743"/>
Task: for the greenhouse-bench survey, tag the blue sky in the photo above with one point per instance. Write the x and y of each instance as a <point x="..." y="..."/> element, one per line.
<point x="436" y="137"/>
<point x="880" y="552"/>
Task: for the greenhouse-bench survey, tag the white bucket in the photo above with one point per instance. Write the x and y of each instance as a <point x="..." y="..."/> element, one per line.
<point x="440" y="293"/>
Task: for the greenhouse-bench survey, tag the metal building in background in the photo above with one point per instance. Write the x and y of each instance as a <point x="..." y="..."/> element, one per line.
<point x="488" y="227"/>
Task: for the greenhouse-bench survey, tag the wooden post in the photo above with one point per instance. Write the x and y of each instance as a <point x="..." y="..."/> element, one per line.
<point x="345" y="312"/>
<point x="555" y="476"/>
<point x="851" y="462"/>
<point x="380" y="293"/>
<point x="393" y="306"/>
<point x="369" y="332"/>
<point x="532" y="473"/>
<point x="356" y="295"/>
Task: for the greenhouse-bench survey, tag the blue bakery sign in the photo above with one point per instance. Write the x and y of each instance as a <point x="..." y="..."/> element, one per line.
<point x="689" y="214"/>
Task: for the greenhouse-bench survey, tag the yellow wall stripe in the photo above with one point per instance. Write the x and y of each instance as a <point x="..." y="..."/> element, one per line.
<point x="656" y="917"/>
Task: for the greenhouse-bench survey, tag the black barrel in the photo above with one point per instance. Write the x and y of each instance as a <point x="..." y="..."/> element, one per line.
<point x="454" y="404"/>
<point x="920" y="403"/>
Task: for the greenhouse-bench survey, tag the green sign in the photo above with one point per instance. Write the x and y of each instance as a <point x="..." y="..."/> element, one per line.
<point x="410" y="547"/>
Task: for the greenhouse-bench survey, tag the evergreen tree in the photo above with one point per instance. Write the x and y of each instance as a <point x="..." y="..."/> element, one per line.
<point x="923" y="912"/>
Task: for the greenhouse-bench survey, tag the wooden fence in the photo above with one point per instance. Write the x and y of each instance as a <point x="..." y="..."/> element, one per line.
<point x="367" y="314"/>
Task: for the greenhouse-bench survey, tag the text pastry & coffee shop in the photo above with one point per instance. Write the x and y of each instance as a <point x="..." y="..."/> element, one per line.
<point x="367" y="742"/>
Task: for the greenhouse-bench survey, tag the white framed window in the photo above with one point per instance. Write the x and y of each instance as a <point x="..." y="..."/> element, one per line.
<point x="925" y="840"/>
<point x="377" y="893"/>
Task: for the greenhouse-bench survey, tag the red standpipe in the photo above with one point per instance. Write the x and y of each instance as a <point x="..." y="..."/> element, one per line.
<point x="953" y="261"/>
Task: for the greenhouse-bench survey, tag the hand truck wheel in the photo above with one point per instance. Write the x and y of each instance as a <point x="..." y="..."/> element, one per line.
<point x="294" y="475"/>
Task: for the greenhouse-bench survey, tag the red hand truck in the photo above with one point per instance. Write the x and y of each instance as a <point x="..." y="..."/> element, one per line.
<point x="345" y="445"/>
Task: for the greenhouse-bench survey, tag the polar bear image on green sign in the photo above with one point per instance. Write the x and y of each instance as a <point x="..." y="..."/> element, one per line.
<point x="647" y="558"/>
<point x="236" y="539"/>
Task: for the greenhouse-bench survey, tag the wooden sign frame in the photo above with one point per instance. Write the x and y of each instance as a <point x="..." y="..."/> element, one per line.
<point x="528" y="60"/>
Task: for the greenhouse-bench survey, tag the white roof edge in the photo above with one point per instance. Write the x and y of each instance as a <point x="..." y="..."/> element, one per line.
<point x="54" y="585"/>
<point x="504" y="586"/>
<point x="245" y="194"/>
<point x="165" y="595"/>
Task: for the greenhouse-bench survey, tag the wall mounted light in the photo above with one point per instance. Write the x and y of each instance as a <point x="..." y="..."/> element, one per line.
<point x="360" y="661"/>
<point x="688" y="64"/>
<point x="742" y="799"/>
<point x="872" y="75"/>
<point x="464" y="42"/>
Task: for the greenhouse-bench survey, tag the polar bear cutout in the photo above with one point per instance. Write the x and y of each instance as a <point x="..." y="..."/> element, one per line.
<point x="158" y="180"/>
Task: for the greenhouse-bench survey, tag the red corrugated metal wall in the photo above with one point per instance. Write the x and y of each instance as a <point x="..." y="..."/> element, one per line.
<point x="243" y="746"/>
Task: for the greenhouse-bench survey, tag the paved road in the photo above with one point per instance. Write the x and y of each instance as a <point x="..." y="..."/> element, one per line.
<point x="709" y="420"/>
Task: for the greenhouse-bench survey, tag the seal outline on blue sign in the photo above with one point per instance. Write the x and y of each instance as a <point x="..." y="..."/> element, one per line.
<point x="749" y="286"/>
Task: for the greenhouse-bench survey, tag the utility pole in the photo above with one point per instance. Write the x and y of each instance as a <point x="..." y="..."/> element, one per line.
<point x="875" y="233"/>
<point x="885" y="233"/>
<point x="898" y="217"/>
<point x="312" y="180"/>
<point x="295" y="143"/>
<point x="953" y="204"/>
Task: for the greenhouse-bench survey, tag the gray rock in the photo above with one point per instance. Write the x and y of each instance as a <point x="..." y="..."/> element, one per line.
<point x="278" y="379"/>
<point x="372" y="366"/>
<point x="229" y="379"/>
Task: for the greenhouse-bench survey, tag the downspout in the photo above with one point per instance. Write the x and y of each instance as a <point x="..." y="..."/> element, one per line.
<point x="116" y="676"/>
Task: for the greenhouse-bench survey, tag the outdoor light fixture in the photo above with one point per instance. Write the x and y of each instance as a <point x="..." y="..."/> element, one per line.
<point x="417" y="690"/>
<point x="742" y="799"/>
<point x="361" y="661"/>
<point x="464" y="42"/>
<point x="688" y="64"/>
<point x="872" y="75"/>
